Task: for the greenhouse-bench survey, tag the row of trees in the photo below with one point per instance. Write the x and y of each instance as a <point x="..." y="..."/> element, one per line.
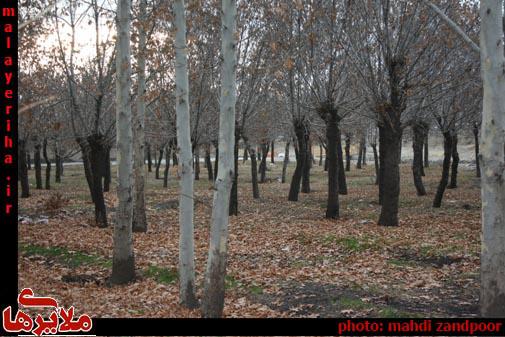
<point x="302" y="71"/>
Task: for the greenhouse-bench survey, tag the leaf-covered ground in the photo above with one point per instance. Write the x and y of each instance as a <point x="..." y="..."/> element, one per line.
<point x="285" y="259"/>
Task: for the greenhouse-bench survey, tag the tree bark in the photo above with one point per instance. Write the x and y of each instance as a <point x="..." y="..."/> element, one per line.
<point x="48" y="165"/>
<point x="208" y="163"/>
<point x="390" y="143"/>
<point x="426" y="151"/>
<point x="197" y="163"/>
<point x="263" y="163"/>
<point x="272" y="153"/>
<point x="107" y="175"/>
<point x="307" y="162"/>
<point x="38" y="167"/>
<point x="285" y="163"/>
<point x="149" y="159"/>
<point x="448" y="140"/>
<point x="418" y="130"/>
<point x="139" y="221"/>
<point x="363" y="155"/>
<point x="342" y="184"/>
<point x="187" y="294"/>
<point x="123" y="261"/>
<point x="166" y="171"/>
<point x="492" y="160"/>
<point x="320" y="155"/>
<point x="455" y="161"/>
<point x="213" y="295"/>
<point x="158" y="164"/>
<point x="476" y="141"/>
<point x="294" y="188"/>
<point x="233" y="209"/>
<point x="216" y="161"/>
<point x="58" y="165"/>
<point x="254" y="172"/>
<point x="332" y="134"/>
<point x="94" y="149"/>
<point x="360" y="154"/>
<point x="28" y="160"/>
<point x="23" y="169"/>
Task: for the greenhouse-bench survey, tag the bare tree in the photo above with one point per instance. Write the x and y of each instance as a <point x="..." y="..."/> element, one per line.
<point x="213" y="300"/>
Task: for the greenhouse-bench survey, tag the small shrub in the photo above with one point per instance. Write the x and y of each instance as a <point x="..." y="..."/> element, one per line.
<point x="55" y="202"/>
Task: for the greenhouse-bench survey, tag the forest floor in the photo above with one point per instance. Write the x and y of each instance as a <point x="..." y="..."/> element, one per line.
<point x="285" y="259"/>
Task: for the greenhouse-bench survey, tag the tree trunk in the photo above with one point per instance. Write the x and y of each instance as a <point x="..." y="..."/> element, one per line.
<point x="123" y="261"/>
<point x="57" y="164"/>
<point x="245" y="156"/>
<point x="166" y="171"/>
<point x="197" y="163"/>
<point x="363" y="156"/>
<point x="94" y="156"/>
<point x="418" y="130"/>
<point x="476" y="142"/>
<point x="342" y="184"/>
<point x="254" y="173"/>
<point x="28" y="160"/>
<point x="448" y="139"/>
<point x="187" y="294"/>
<point x="158" y="164"/>
<point x="332" y="134"/>
<point x="139" y="221"/>
<point x="285" y="163"/>
<point x="208" y="163"/>
<point x="23" y="169"/>
<point x="455" y="161"/>
<point x="360" y="154"/>
<point x="294" y="188"/>
<point x="390" y="141"/>
<point x="492" y="288"/>
<point x="426" y="151"/>
<point x="376" y="163"/>
<point x="149" y="159"/>
<point x="272" y="153"/>
<point x="320" y="155"/>
<point x="175" y="160"/>
<point x="213" y="295"/>
<point x="216" y="161"/>
<point x="307" y="162"/>
<point x="48" y="165"/>
<point x="38" y="167"/>
<point x="263" y="163"/>
<point x="108" y="174"/>
<point x="347" y="153"/>
<point x="233" y="209"/>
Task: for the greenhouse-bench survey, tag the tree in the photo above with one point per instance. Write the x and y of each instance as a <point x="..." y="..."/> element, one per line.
<point x="123" y="261"/>
<point x="186" y="203"/>
<point x="213" y="300"/>
<point x="492" y="296"/>
<point x="139" y="207"/>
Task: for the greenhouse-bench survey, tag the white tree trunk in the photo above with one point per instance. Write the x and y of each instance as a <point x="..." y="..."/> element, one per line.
<point x="186" y="202"/>
<point x="139" y="210"/>
<point x="492" y="299"/>
<point x="123" y="265"/>
<point x="213" y="300"/>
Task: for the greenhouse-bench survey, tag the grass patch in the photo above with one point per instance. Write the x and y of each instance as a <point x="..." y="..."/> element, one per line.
<point x="255" y="289"/>
<point x="389" y="312"/>
<point x="350" y="243"/>
<point x="161" y="275"/>
<point x="230" y="282"/>
<point x="67" y="257"/>
<point x="352" y="303"/>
